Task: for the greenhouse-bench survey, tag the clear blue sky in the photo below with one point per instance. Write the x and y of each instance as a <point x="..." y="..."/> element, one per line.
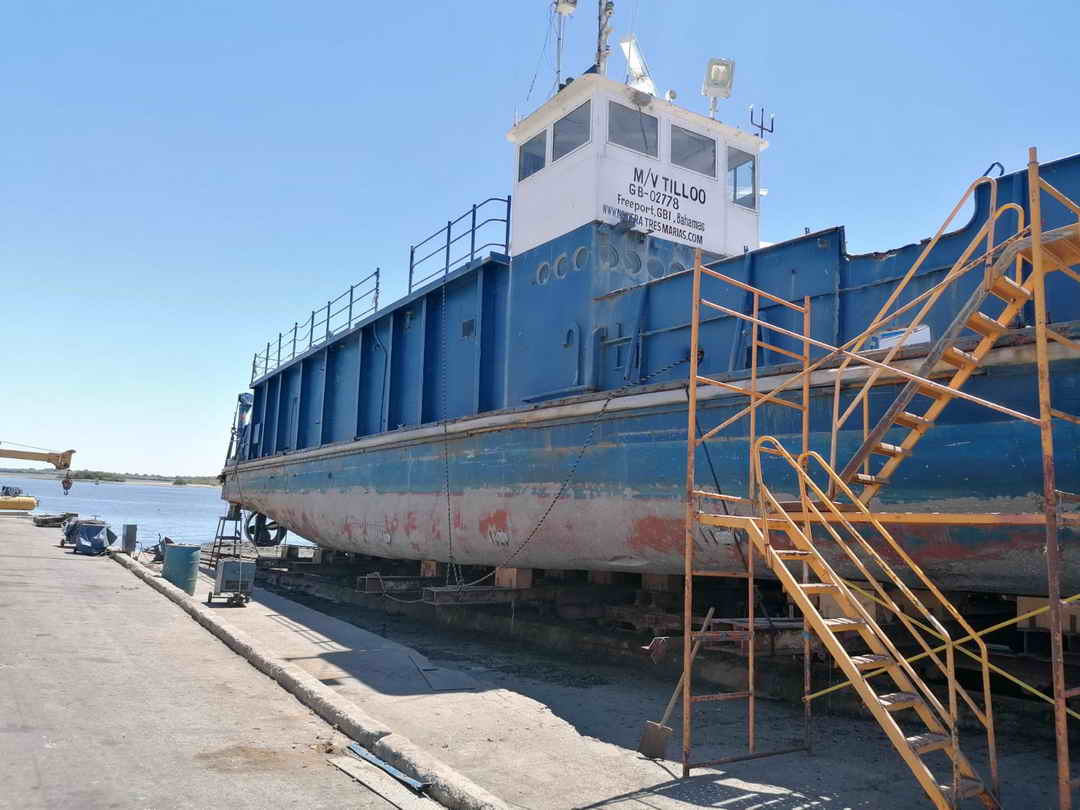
<point x="182" y="180"/>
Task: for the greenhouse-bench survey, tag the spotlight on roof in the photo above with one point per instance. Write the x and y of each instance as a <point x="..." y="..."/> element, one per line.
<point x="719" y="77"/>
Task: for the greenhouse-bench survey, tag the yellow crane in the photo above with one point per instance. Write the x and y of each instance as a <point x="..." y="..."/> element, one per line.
<point x="61" y="461"/>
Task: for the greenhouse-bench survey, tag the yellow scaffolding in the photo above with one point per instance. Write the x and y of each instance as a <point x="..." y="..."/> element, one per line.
<point x="834" y="507"/>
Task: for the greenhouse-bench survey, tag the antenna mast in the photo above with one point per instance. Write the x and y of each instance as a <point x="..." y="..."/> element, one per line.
<point x="558" y="51"/>
<point x="605" y="8"/>
<point x="563" y="9"/>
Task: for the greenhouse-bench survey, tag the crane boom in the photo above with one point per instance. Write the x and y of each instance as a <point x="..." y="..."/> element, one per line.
<point x="61" y="461"/>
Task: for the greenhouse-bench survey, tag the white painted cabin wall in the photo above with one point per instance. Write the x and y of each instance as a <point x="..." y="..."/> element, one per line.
<point x="574" y="190"/>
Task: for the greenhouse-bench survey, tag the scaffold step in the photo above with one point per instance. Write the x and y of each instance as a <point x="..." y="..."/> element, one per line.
<point x="934" y="392"/>
<point x="897" y="701"/>
<point x="953" y="356"/>
<point x="871" y="661"/>
<point x="969" y="788"/>
<point x="792" y="553"/>
<point x="925" y="743"/>
<point x="912" y="421"/>
<point x="811" y="588"/>
<point x="871" y="480"/>
<point x="985" y="325"/>
<point x="1008" y="290"/>
<point x="891" y="450"/>
<point x="844" y="624"/>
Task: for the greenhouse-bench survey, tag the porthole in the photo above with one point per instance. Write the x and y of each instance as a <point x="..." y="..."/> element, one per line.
<point x="562" y="264"/>
<point x="632" y="263"/>
<point x="677" y="268"/>
<point x="656" y="268"/>
<point x="612" y="258"/>
<point x="543" y="273"/>
<point x="581" y="258"/>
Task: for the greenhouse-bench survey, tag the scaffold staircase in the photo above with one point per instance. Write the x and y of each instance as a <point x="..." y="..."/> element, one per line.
<point x="913" y="717"/>
<point x="997" y="292"/>
<point x="832" y="531"/>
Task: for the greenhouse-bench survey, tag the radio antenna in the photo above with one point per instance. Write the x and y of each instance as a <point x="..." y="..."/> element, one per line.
<point x="604" y="10"/>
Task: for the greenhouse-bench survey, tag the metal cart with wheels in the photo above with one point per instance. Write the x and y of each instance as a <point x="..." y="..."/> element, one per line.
<point x="233" y="581"/>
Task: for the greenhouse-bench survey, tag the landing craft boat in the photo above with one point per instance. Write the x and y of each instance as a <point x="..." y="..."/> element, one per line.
<point x="525" y="403"/>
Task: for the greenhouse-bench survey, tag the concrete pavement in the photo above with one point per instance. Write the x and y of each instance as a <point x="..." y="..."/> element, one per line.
<point x="111" y="697"/>
<point x="546" y="747"/>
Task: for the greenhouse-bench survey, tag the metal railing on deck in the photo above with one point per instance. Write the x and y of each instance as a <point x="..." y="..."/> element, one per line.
<point x="339" y="315"/>
<point x="441" y="252"/>
<point x="486" y="225"/>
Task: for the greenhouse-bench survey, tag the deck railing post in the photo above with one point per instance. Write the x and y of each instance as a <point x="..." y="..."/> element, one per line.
<point x="472" y="236"/>
<point x="295" y="328"/>
<point x="506" y="241"/>
<point x="378" y="274"/>
<point x="412" y="264"/>
<point x="446" y="268"/>
<point x="311" y="330"/>
<point x="254" y="360"/>
<point x="279" y="348"/>
<point x="266" y="358"/>
<point x="328" y="320"/>
<point x="351" y="288"/>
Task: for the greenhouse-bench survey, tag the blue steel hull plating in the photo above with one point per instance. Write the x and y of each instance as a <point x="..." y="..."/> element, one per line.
<point x="624" y="509"/>
<point x="506" y="368"/>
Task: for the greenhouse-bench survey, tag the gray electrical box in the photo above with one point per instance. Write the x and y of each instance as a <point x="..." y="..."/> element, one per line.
<point x="233" y="579"/>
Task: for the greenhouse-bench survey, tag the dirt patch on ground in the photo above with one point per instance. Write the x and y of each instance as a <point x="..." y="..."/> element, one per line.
<point x="242" y="758"/>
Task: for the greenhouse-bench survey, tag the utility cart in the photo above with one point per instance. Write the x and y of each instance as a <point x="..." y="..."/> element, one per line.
<point x="233" y="581"/>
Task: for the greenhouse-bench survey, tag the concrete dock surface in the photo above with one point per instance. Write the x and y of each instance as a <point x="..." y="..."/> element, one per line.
<point x="569" y="741"/>
<point x="111" y="697"/>
<point x="538" y="731"/>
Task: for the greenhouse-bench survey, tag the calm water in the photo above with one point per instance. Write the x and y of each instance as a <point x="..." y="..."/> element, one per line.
<point x="186" y="514"/>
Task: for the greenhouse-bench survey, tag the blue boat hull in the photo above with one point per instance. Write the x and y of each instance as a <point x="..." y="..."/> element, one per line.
<point x="623" y="509"/>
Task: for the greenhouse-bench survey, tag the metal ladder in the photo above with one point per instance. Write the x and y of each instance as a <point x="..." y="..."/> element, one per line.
<point x="937" y="728"/>
<point x="970" y="318"/>
<point x="227" y="543"/>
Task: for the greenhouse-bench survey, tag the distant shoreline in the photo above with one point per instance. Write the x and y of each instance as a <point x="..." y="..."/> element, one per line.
<point x="90" y="481"/>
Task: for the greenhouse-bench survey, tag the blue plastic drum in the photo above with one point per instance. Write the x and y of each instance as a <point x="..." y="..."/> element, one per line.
<point x="182" y="566"/>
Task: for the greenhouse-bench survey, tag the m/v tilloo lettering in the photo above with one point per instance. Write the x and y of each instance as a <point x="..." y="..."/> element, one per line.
<point x="653" y="201"/>
<point x="657" y="187"/>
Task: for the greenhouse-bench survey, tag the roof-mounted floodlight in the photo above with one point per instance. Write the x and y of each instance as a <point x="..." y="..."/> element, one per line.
<point x="565" y="7"/>
<point x="719" y="77"/>
<point x="637" y="72"/>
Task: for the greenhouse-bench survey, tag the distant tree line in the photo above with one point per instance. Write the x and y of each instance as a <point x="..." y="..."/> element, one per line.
<point x="103" y="475"/>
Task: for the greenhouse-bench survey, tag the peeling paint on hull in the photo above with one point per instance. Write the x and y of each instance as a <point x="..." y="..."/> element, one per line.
<point x="624" y="509"/>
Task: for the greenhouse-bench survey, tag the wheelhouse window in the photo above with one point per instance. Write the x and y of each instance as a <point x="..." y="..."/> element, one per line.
<point x="532" y="155"/>
<point x="693" y="151"/>
<point x="741" y="179"/>
<point x="632" y="128"/>
<point x="570" y="132"/>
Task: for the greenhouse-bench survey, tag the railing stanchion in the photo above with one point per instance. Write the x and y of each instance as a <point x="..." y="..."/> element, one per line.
<point x="472" y="236"/>
<point x="506" y="241"/>
<point x="446" y="268"/>
<point x="254" y="360"/>
<point x="328" y="320"/>
<point x="351" y="287"/>
<point x="279" y="348"/>
<point x="266" y="358"/>
<point x="295" y="328"/>
<point x="311" y="330"/>
<point x="378" y="274"/>
<point x="412" y="264"/>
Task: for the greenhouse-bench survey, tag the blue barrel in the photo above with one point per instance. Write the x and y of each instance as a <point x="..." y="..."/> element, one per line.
<point x="182" y="566"/>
